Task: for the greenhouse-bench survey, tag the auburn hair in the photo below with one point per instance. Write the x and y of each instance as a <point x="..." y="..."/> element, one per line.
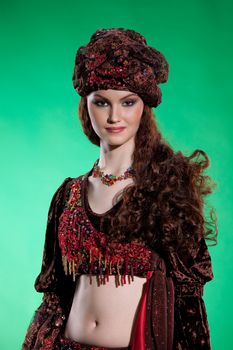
<point x="165" y="206"/>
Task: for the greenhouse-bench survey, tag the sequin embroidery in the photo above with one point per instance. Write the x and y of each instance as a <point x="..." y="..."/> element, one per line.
<point x="86" y="250"/>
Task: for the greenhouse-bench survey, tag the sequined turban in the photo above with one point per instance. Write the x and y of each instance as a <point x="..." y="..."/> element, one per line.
<point x="119" y="58"/>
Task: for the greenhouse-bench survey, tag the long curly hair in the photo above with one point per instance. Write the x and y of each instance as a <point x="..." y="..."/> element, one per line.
<point x="165" y="205"/>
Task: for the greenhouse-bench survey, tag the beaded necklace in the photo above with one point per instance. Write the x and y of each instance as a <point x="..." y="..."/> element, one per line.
<point x="110" y="179"/>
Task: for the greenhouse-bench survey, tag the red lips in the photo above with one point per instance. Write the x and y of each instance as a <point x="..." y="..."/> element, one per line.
<point x="116" y="128"/>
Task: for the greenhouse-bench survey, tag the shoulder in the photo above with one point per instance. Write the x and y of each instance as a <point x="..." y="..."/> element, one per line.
<point x="62" y="192"/>
<point x="69" y="181"/>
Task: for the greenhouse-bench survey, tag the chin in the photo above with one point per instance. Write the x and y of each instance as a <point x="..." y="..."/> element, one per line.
<point x="118" y="142"/>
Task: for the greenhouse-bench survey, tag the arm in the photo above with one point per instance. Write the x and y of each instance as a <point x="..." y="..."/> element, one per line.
<point x="190" y="273"/>
<point x="50" y="311"/>
<point x="47" y="280"/>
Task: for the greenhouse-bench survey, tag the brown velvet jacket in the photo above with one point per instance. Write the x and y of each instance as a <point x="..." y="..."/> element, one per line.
<point x="184" y="327"/>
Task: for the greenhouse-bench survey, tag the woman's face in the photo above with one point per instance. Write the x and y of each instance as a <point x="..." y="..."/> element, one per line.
<point x="114" y="109"/>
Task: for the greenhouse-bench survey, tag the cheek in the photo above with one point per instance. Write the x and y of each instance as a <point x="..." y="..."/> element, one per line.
<point x="95" y="125"/>
<point x="95" y="116"/>
<point x="95" y="121"/>
<point x="134" y="116"/>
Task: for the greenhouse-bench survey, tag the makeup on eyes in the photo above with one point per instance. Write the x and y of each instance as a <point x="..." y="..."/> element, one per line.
<point x="129" y="102"/>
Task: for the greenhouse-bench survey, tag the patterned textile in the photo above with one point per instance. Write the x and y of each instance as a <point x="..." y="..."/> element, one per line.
<point x="64" y="343"/>
<point x="120" y="59"/>
<point x="88" y="251"/>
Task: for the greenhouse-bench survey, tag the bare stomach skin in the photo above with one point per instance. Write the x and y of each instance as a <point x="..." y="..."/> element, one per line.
<point x="103" y="315"/>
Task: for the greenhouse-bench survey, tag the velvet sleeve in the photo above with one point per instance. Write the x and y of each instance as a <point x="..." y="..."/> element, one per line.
<point x="49" y="316"/>
<point x="51" y="267"/>
<point x="190" y="272"/>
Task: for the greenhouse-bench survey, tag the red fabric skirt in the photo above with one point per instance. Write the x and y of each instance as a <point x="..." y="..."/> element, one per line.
<point x="154" y="324"/>
<point x="138" y="333"/>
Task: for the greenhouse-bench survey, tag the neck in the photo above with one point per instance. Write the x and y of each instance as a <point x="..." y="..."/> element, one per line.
<point x="115" y="160"/>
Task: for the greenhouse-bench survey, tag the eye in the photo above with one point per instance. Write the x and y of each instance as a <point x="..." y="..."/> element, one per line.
<point x="98" y="103"/>
<point x="130" y="102"/>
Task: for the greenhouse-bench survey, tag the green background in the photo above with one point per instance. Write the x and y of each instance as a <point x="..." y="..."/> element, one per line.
<point x="42" y="140"/>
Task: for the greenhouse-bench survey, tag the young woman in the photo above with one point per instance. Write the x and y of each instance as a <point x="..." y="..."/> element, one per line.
<point x="125" y="258"/>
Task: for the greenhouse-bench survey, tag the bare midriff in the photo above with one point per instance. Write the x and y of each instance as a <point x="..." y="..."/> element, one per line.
<point x="103" y="315"/>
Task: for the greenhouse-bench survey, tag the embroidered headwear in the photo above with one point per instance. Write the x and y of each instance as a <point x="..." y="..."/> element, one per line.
<point x="119" y="58"/>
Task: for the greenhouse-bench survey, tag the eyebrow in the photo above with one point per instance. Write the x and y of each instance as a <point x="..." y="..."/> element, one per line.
<point x="109" y="100"/>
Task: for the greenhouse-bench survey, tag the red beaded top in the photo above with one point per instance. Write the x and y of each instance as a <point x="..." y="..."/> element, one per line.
<point x="88" y="250"/>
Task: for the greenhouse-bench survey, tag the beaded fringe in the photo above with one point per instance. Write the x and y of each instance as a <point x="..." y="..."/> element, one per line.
<point x="71" y="264"/>
<point x="70" y="268"/>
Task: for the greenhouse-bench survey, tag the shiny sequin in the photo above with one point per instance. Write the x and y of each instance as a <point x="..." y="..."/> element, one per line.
<point x="86" y="250"/>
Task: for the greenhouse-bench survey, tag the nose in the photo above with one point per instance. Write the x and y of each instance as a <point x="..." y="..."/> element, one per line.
<point x="114" y="114"/>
